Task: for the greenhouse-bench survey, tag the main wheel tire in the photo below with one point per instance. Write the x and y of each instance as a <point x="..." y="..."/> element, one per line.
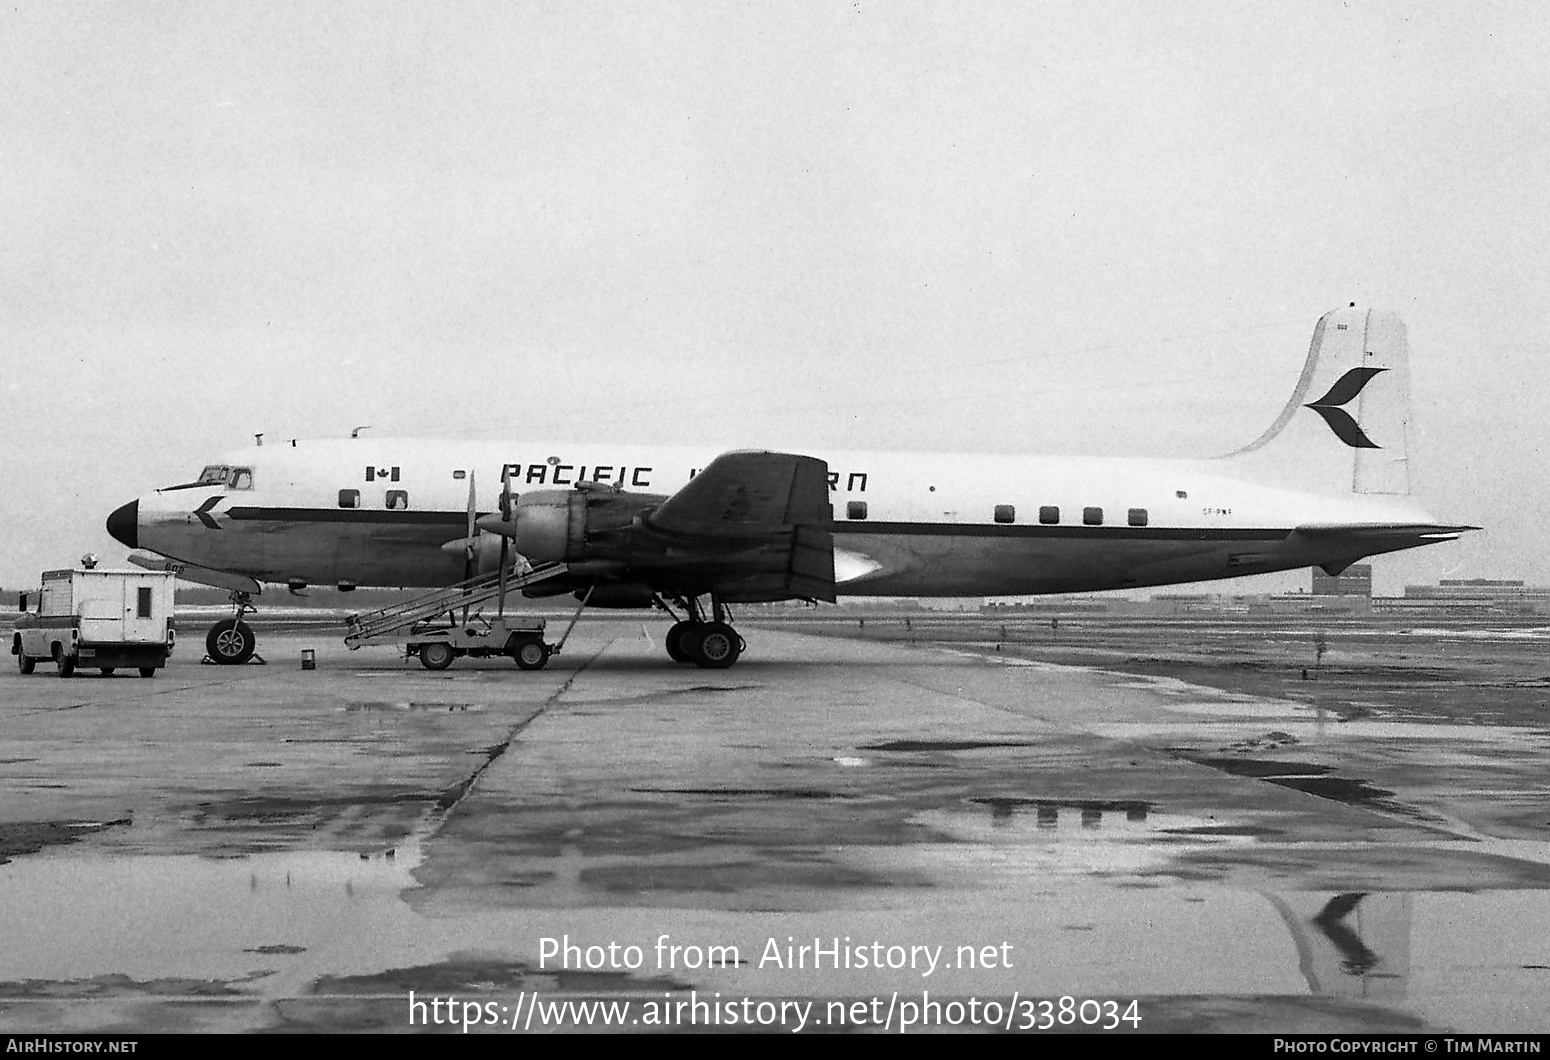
<point x="674" y="641"/>
<point x="107" y="671"/>
<point x="715" y="645"/>
<point x="66" y="663"/>
<point x="147" y="671"/>
<point x="230" y="642"/>
<point x="531" y="655"/>
<point x="436" y="655"/>
<point x="26" y="663"/>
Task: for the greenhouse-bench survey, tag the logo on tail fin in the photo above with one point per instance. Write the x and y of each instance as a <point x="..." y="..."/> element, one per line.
<point x="1345" y="390"/>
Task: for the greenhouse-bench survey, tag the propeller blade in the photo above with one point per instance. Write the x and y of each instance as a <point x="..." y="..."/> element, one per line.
<point x="472" y="539"/>
<point x="505" y="540"/>
<point x="472" y="514"/>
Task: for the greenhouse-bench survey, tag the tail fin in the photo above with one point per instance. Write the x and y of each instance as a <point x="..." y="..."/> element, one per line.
<point x="1347" y="420"/>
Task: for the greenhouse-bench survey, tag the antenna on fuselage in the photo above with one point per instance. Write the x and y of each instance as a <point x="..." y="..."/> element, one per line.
<point x="356" y="433"/>
<point x="259" y="438"/>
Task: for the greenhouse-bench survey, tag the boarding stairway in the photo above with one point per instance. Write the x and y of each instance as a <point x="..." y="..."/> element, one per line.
<point x="387" y="621"/>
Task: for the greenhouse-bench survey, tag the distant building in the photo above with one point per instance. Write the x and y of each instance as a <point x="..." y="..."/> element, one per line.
<point x="1355" y="580"/>
<point x="1502" y="595"/>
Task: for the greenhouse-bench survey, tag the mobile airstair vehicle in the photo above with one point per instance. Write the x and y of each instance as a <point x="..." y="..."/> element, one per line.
<point x="428" y="625"/>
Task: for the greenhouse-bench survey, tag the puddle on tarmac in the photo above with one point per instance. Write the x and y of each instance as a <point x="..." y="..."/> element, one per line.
<point x="943" y="745"/>
<point x="406" y="705"/>
<point x="1034" y="839"/>
<point x="1308" y="778"/>
<point x="743" y="793"/>
<point x="1307" y="729"/>
<point x="68" y="917"/>
<point x="285" y="922"/>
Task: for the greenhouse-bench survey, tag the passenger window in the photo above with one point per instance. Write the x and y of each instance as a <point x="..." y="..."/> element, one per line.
<point x="397" y="500"/>
<point x="349" y="498"/>
<point x="1049" y="513"/>
<point x="242" y="478"/>
<point x="1006" y="513"/>
<point x="855" y="510"/>
<point x="1092" y="516"/>
<point x="1138" y="517"/>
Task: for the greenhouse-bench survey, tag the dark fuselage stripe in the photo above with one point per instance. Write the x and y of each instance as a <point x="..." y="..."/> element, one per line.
<point x="349" y="515"/>
<point x="380" y="517"/>
<point x="1122" y="533"/>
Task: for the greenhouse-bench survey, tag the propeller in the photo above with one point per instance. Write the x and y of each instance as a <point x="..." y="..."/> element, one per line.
<point x="505" y="539"/>
<point x="470" y="542"/>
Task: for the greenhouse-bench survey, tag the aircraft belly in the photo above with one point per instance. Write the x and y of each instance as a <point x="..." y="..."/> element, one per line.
<point x="238" y="549"/>
<point x="368" y="554"/>
<point x="973" y="565"/>
<point x="278" y="551"/>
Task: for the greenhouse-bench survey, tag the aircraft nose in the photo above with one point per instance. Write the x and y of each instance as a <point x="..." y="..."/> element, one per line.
<point x="124" y="524"/>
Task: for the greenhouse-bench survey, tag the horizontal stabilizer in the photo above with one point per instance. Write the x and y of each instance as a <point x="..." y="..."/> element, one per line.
<point x="1421" y="533"/>
<point x="1344" y="544"/>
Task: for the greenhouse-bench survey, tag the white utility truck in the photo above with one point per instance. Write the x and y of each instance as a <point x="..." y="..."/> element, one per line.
<point x="97" y="618"/>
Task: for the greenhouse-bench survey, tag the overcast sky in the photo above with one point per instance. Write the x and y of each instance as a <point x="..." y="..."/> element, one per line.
<point x="1020" y="227"/>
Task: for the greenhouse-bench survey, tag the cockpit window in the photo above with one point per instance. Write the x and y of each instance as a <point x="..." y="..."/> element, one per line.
<point x="237" y="478"/>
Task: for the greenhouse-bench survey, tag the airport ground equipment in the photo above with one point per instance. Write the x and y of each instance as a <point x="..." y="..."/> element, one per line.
<point x="102" y="619"/>
<point x="437" y="645"/>
<point x="428" y="627"/>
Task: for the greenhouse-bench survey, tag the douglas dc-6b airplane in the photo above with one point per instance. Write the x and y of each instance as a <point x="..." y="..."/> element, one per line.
<point x="674" y="527"/>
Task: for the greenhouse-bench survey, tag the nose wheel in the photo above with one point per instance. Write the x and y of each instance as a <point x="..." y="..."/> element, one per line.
<point x="231" y="641"/>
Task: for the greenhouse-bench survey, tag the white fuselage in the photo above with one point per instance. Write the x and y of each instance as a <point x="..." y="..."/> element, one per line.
<point x="379" y="512"/>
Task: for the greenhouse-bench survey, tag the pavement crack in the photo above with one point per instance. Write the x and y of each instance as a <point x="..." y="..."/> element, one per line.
<point x="449" y="799"/>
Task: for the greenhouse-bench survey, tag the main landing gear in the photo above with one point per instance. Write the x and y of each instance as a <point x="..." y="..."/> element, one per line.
<point x="712" y="644"/>
<point x="231" y="641"/>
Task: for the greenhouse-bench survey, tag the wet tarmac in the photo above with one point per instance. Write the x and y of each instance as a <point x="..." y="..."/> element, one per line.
<point x="268" y="848"/>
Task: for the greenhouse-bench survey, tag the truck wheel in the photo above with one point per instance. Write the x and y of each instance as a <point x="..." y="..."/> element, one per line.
<point x="107" y="671"/>
<point x="147" y="671"/>
<point x="66" y="663"/>
<point x="531" y="655"/>
<point x="230" y="642"/>
<point x="436" y="655"/>
<point x="26" y="663"/>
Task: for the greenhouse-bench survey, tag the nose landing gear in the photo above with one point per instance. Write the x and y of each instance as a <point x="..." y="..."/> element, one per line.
<point x="231" y="641"/>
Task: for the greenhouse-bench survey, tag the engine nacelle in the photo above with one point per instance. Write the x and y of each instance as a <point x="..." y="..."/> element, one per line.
<point x="625" y="595"/>
<point x="550" y="526"/>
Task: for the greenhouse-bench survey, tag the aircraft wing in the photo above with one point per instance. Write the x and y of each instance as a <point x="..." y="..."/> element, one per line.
<point x="746" y="494"/>
<point x="764" y="516"/>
